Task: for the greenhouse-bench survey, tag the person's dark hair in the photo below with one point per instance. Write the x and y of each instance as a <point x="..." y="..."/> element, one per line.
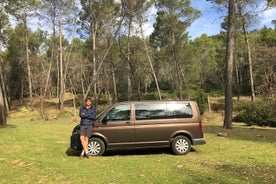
<point x="88" y="99"/>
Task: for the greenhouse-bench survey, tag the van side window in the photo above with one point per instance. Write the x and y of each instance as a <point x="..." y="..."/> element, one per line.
<point x="150" y="111"/>
<point x="179" y="110"/>
<point x="163" y="111"/>
<point x="119" y="113"/>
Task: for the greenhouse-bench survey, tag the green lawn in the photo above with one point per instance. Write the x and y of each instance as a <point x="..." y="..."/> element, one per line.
<point x="36" y="151"/>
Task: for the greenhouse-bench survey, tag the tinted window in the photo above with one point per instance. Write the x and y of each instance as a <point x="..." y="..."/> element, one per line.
<point x="177" y="110"/>
<point x="150" y="111"/>
<point x="163" y="111"/>
<point x="119" y="113"/>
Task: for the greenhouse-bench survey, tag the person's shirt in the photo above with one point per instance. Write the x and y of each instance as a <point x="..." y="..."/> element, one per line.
<point x="87" y="115"/>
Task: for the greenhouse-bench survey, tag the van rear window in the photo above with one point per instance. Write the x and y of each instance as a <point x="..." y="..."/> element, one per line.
<point x="163" y="111"/>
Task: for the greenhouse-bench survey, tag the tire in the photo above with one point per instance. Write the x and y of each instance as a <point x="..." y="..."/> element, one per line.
<point x="96" y="146"/>
<point x="181" y="145"/>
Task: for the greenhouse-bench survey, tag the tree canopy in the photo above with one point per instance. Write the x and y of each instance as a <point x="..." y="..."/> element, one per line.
<point x="99" y="49"/>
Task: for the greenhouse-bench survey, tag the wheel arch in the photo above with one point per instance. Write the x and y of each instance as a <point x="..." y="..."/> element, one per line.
<point x="99" y="136"/>
<point x="182" y="133"/>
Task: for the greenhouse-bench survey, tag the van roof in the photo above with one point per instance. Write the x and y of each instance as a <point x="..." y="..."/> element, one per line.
<point x="158" y="101"/>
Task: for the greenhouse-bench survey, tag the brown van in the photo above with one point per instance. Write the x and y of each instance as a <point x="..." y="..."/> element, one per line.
<point x="145" y="124"/>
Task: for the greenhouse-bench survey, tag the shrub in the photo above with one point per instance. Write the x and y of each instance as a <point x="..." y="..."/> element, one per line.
<point x="202" y="100"/>
<point x="261" y="113"/>
<point x="150" y="96"/>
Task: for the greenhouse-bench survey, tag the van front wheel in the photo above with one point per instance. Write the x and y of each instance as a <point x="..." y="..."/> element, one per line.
<point x="181" y="145"/>
<point x="96" y="146"/>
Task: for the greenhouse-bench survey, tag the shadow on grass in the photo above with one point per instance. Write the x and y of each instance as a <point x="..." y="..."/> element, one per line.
<point x="72" y="153"/>
<point x="254" y="134"/>
<point x="133" y="152"/>
<point x="148" y="151"/>
<point x="8" y="126"/>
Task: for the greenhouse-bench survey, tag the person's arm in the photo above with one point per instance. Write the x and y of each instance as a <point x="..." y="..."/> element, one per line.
<point x="92" y="114"/>
<point x="83" y="113"/>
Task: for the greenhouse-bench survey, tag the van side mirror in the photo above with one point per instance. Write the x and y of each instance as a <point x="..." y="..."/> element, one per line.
<point x="104" y="120"/>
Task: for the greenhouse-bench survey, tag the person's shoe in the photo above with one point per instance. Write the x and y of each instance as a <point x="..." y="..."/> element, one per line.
<point x="88" y="155"/>
<point x="81" y="156"/>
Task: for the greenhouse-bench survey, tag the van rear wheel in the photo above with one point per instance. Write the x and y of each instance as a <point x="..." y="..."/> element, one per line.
<point x="181" y="145"/>
<point x="96" y="146"/>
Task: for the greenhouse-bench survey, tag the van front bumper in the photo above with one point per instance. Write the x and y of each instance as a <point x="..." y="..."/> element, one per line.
<point x="75" y="142"/>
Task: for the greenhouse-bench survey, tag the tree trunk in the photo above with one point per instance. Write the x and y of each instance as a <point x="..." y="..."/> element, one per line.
<point x="229" y="65"/>
<point x="209" y="104"/>
<point x="94" y="65"/>
<point x="4" y="91"/>
<point x="238" y="82"/>
<point x="3" y="111"/>
<point x="73" y="91"/>
<point x="149" y="60"/>
<point x="247" y="42"/>
<point x="178" y="70"/>
<point x="114" y="85"/>
<point x="47" y="80"/>
<point x="62" y="90"/>
<point x="28" y="63"/>
<point x="58" y="76"/>
<point x="129" y="86"/>
<point x="52" y="59"/>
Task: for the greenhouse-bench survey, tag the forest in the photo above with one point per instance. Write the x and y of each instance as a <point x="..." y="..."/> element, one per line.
<point x="100" y="48"/>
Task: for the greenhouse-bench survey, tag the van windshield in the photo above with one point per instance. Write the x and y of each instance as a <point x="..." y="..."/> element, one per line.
<point x="119" y="113"/>
<point x="102" y="112"/>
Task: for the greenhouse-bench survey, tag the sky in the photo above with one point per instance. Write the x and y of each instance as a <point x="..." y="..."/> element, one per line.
<point x="211" y="19"/>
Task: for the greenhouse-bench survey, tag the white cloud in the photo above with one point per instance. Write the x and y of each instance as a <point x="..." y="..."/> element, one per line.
<point x="267" y="16"/>
<point x="211" y="19"/>
<point x="209" y="22"/>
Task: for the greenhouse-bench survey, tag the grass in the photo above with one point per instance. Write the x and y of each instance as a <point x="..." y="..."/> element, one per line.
<point x="36" y="151"/>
